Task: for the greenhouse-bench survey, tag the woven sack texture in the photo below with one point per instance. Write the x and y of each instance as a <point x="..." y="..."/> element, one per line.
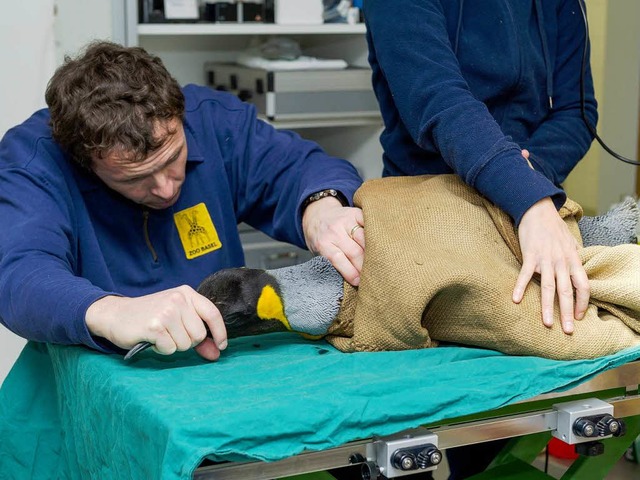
<point x="440" y="266"/>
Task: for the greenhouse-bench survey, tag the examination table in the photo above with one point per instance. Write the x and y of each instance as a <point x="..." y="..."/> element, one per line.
<point x="278" y="405"/>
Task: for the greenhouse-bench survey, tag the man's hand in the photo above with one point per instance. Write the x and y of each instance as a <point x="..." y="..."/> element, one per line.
<point x="171" y="320"/>
<point x="336" y="232"/>
<point x="548" y="248"/>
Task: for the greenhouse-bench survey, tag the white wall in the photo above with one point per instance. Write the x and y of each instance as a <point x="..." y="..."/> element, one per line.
<point x="620" y="102"/>
<point x="28" y="60"/>
<point x="27" y="63"/>
<point x="600" y="180"/>
<point x="80" y="21"/>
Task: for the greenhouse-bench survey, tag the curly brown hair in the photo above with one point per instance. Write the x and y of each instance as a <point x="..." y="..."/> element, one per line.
<point x="111" y="97"/>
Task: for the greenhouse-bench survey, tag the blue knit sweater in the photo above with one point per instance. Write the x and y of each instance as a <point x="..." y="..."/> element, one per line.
<point x="465" y="86"/>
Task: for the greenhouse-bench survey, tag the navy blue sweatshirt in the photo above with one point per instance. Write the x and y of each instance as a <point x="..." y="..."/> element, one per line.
<point x="465" y="86"/>
<point x="68" y="240"/>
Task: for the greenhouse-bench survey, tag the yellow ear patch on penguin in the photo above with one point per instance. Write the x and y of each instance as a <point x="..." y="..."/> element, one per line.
<point x="270" y="306"/>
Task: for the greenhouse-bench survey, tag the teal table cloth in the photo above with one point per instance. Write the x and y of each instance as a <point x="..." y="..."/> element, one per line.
<point x="68" y="412"/>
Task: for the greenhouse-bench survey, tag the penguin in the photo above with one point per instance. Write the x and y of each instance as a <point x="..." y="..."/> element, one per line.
<point x="618" y="226"/>
<point x="303" y="298"/>
<point x="306" y="298"/>
<point x="249" y="300"/>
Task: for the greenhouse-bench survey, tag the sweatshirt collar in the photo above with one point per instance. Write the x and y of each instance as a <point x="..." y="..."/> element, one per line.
<point x="193" y="151"/>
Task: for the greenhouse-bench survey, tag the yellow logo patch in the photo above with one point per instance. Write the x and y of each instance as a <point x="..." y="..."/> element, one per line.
<point x="196" y="230"/>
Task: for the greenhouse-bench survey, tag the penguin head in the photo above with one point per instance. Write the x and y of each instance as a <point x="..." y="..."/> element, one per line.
<point x="248" y="299"/>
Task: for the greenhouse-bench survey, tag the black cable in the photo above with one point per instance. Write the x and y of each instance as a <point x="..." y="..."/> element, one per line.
<point x="583" y="68"/>
<point x="546" y="459"/>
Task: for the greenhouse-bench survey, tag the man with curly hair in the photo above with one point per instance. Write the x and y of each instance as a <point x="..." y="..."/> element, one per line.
<point x="126" y="192"/>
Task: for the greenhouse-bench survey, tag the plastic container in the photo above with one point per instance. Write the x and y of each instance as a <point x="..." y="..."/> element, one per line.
<point x="560" y="449"/>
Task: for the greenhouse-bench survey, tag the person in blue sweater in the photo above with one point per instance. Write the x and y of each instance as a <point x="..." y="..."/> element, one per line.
<point x="490" y="90"/>
<point x="126" y="192"/>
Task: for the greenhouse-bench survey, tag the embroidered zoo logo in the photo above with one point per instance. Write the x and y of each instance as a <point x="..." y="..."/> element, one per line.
<point x="197" y="232"/>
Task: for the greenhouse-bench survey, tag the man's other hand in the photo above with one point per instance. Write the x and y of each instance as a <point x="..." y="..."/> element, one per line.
<point x="337" y="233"/>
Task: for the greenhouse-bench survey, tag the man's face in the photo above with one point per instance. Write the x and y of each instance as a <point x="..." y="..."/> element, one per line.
<point x="155" y="181"/>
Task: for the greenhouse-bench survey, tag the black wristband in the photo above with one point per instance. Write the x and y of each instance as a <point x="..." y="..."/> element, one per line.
<point x="330" y="192"/>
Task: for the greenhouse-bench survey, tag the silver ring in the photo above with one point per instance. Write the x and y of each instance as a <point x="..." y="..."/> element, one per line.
<point x="354" y="229"/>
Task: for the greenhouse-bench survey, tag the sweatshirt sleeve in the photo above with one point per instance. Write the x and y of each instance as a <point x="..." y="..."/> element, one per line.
<point x="41" y="296"/>
<point x="273" y="171"/>
<point x="563" y="139"/>
<point x="436" y="106"/>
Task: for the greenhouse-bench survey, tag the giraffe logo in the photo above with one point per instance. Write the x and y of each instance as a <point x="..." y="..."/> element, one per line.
<point x="196" y="230"/>
<point x="197" y="234"/>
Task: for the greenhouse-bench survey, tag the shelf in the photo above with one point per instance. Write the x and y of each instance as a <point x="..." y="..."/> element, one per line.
<point x="324" y="122"/>
<point x="248" y="29"/>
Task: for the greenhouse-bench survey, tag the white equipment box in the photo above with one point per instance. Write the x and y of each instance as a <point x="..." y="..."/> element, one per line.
<point x="298" y="94"/>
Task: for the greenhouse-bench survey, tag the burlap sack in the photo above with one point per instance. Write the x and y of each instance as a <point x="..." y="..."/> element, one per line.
<point x="441" y="264"/>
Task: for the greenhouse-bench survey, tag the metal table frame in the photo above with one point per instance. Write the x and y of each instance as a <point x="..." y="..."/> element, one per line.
<point x="526" y="423"/>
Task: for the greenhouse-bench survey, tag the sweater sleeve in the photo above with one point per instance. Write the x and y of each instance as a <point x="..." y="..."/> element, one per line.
<point x="41" y="298"/>
<point x="563" y="138"/>
<point x="416" y="58"/>
<point x="273" y="171"/>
